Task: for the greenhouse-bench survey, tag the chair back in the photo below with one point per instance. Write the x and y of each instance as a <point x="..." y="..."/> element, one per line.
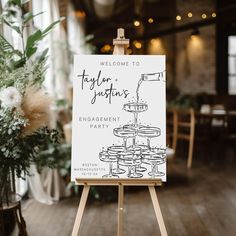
<point x="185" y="124"/>
<point x="186" y="130"/>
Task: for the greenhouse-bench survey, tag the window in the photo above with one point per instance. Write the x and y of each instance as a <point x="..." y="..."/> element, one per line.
<point x="232" y="65"/>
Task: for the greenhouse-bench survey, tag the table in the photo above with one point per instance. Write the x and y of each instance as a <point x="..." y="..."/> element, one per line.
<point x="215" y="129"/>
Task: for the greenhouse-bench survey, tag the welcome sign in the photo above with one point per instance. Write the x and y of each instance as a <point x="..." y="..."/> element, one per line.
<point x="119" y="117"/>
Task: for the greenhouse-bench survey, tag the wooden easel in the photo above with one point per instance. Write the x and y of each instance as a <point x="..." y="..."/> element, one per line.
<point x="120" y="48"/>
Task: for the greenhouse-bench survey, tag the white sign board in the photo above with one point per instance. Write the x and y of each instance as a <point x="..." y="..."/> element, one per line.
<point x="119" y="123"/>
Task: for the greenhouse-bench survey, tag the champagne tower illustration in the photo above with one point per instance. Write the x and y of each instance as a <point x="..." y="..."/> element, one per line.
<point x="138" y="156"/>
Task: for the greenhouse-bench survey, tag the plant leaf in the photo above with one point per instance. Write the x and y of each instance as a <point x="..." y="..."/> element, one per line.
<point x="37" y="36"/>
<point x="14" y="27"/>
<point x="5" y="45"/>
<point x="48" y="29"/>
<point x="30" y="51"/>
<point x="33" y="38"/>
<point x="16" y="2"/>
<point x="29" y="16"/>
<point x="19" y="63"/>
<point x="19" y="53"/>
<point x="31" y="42"/>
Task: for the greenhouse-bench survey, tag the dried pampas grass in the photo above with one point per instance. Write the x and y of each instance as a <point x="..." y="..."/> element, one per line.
<point x="36" y="108"/>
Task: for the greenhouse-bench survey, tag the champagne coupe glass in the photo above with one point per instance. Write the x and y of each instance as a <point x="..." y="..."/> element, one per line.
<point x="149" y="133"/>
<point x="154" y="159"/>
<point x="135" y="108"/>
<point x="131" y="160"/>
<point x="110" y="158"/>
<point x="115" y="150"/>
<point x="124" y="133"/>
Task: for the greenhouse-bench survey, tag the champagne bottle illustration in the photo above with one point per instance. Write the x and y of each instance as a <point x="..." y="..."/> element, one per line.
<point x="148" y="77"/>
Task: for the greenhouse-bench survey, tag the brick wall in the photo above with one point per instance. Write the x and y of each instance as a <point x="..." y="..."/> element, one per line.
<point x="195" y="56"/>
<point x="195" y="61"/>
<point x="192" y="66"/>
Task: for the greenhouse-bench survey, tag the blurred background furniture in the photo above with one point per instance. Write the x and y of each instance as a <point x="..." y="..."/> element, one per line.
<point x="203" y="127"/>
<point x="218" y="124"/>
<point x="180" y="125"/>
<point x="231" y="130"/>
<point x="186" y="130"/>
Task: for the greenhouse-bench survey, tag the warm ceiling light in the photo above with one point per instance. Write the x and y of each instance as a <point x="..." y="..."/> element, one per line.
<point x="195" y="33"/>
<point x="80" y="14"/>
<point x="150" y="20"/>
<point x="106" y="48"/>
<point x="204" y="16"/>
<point x="178" y="17"/>
<point x="156" y="42"/>
<point x="153" y="41"/>
<point x="136" y="23"/>
<point x="213" y="14"/>
<point x="190" y="14"/>
<point x="137" y="44"/>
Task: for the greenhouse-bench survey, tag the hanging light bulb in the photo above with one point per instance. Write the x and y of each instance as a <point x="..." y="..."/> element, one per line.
<point x="190" y="14"/>
<point x="150" y="20"/>
<point x="137" y="44"/>
<point x="204" y="16"/>
<point x="178" y="18"/>
<point x="136" y="23"/>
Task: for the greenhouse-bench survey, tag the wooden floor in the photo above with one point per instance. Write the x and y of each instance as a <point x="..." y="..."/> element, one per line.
<point x="199" y="202"/>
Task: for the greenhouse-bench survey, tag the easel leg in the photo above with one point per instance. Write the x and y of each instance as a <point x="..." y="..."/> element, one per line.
<point x="120" y="210"/>
<point x="157" y="210"/>
<point x="80" y="211"/>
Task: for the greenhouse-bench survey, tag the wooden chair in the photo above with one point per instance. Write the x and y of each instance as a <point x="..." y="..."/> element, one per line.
<point x="186" y="130"/>
<point x="171" y="134"/>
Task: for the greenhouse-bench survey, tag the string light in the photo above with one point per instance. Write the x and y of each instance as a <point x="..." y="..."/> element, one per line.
<point x="190" y="14"/>
<point x="150" y="20"/>
<point x="178" y="17"/>
<point x="137" y="44"/>
<point x="136" y="23"/>
<point x="106" y="48"/>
